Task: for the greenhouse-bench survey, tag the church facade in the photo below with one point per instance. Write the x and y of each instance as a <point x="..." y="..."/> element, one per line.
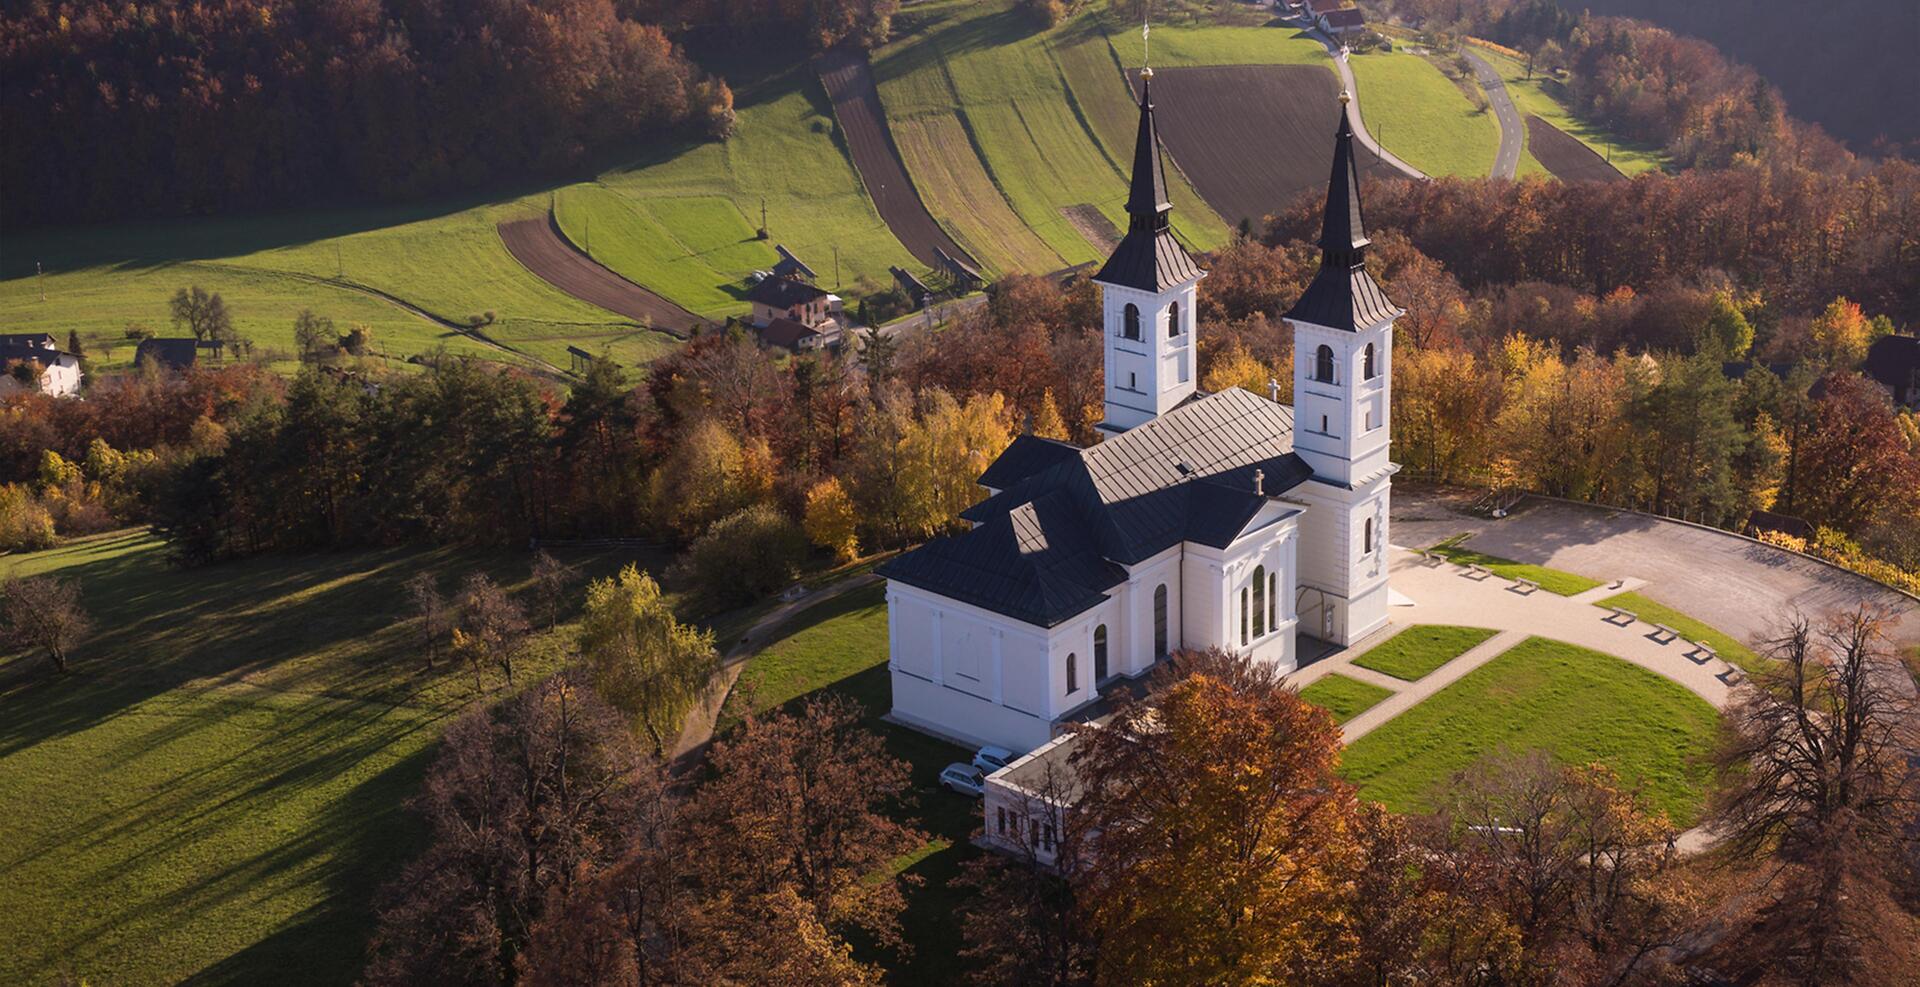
<point x="1199" y="520"/>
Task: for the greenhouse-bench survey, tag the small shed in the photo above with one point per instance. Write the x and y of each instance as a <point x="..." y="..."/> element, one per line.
<point x="791" y="266"/>
<point x="169" y="353"/>
<point x="916" y="289"/>
<point x="579" y="361"/>
<point x="965" y="276"/>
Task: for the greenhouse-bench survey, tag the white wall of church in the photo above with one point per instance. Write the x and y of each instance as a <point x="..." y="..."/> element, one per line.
<point x="1148" y="376"/>
<point x="1217" y="578"/>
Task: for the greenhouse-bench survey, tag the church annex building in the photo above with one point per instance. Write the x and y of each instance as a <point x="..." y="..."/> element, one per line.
<point x="1201" y="520"/>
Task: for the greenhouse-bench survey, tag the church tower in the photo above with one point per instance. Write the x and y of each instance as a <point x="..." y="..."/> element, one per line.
<point x="1342" y="403"/>
<point x="1147" y="291"/>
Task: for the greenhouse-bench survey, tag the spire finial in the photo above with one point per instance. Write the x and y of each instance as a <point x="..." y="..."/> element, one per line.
<point x="1345" y="97"/>
<point x="1146" y="44"/>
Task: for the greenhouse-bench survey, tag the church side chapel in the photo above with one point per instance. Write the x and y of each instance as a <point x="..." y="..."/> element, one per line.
<point x="1199" y="520"/>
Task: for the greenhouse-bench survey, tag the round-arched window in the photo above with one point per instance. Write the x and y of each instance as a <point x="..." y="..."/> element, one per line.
<point x="1173" y="320"/>
<point x="1367" y="371"/>
<point x="1130" y="321"/>
<point x="1323" y="365"/>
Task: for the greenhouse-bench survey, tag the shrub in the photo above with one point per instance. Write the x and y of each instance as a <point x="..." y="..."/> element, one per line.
<point x="25" y="524"/>
<point x="745" y="555"/>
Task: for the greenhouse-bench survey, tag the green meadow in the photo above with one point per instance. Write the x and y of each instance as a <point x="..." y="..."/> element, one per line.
<point x="1416" y="112"/>
<point x="1545" y="98"/>
<point x="1580" y="705"/>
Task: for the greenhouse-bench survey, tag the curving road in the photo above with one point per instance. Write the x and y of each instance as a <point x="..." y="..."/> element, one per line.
<point x="1512" y="132"/>
<point x="1360" y="133"/>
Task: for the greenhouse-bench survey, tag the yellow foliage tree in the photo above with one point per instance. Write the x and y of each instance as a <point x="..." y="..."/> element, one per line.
<point x="1842" y="333"/>
<point x="831" y="521"/>
<point x="643" y="661"/>
<point x="1047" y="422"/>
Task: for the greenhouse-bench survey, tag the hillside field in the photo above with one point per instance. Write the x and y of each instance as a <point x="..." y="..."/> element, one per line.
<point x="1540" y="97"/>
<point x="1416" y="112"/>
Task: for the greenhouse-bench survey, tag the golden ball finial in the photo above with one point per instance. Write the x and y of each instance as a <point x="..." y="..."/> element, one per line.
<point x="1345" y="97"/>
<point x="1147" y="72"/>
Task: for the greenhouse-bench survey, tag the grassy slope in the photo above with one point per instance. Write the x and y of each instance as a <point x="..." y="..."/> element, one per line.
<point x="840" y="646"/>
<point x="1345" y="698"/>
<point x="677" y="246"/>
<point x="218" y="787"/>
<point x="1420" y="649"/>
<point x="783" y="149"/>
<point x="1655" y="612"/>
<point x="1580" y="705"/>
<point x="1419" y="114"/>
<point x="1551" y="580"/>
<point x="1539" y="97"/>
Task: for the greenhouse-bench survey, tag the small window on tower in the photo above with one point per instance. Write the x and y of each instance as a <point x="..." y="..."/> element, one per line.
<point x="1367" y="371"/>
<point x="1133" y="381"/>
<point x="1173" y="320"/>
<point x="1323" y="426"/>
<point x="1130" y="322"/>
<point x="1323" y="365"/>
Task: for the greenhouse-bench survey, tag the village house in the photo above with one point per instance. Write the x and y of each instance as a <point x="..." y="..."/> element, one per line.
<point x="167" y="353"/>
<point x="792" y="312"/>
<point x="33" y="362"/>
<point x="1201" y="520"/>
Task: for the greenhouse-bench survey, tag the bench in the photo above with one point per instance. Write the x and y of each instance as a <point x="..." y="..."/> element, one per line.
<point x="1704" y="651"/>
<point x="1620" y="613"/>
<point x="1532" y="586"/>
<point x="1731" y="676"/>
<point x="1662" y="634"/>
<point x="1480" y="571"/>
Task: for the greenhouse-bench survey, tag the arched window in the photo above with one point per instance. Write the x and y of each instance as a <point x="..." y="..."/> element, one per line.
<point x="1130" y="321"/>
<point x="1099" y="654"/>
<point x="1323" y="365"/>
<point x="1259" y="601"/>
<point x="1073" y="674"/>
<point x="1173" y="320"/>
<point x="1243" y="616"/>
<point x="1160" y="620"/>
<point x="1366" y="538"/>
<point x="1273" y="600"/>
<point x="1367" y="372"/>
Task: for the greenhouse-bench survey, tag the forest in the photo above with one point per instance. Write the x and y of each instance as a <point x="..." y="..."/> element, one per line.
<point x="190" y="109"/>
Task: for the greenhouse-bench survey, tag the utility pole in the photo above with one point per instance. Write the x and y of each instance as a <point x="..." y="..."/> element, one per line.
<point x="763" y="216"/>
<point x="836" y="267"/>
<point x="40" y="278"/>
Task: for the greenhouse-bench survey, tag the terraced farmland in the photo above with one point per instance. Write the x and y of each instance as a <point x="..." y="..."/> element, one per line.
<point x="956" y="186"/>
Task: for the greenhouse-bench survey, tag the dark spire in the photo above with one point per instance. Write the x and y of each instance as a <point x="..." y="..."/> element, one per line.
<point x="1343" y="295"/>
<point x="1343" y="236"/>
<point x="1147" y="199"/>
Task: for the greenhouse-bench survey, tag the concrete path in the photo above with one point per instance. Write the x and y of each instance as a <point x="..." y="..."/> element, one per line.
<point x="1360" y="133"/>
<point x="1512" y="129"/>
<point x="697" y="732"/>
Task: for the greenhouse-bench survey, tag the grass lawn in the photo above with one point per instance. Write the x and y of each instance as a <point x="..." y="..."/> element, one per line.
<point x="1419" y="114"/>
<point x="1420" y="649"/>
<point x="1176" y="45"/>
<point x="216" y="792"/>
<point x="1546" y="99"/>
<point x="1580" y="705"/>
<point x="1551" y="580"/>
<point x="1345" y="698"/>
<point x="840" y="646"/>
<point x="1655" y="612"/>
<point x="678" y="247"/>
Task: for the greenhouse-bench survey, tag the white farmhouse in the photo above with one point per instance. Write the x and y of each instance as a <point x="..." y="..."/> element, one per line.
<point x="32" y="362"/>
<point x="1201" y="520"/>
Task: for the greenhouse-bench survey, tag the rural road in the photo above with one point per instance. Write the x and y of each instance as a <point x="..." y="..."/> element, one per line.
<point x="1507" y="162"/>
<point x="1360" y="132"/>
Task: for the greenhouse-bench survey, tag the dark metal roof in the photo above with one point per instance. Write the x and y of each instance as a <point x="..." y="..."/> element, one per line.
<point x="1894" y="361"/>
<point x="786" y="332"/>
<point x="1050" y="545"/>
<point x="1148" y="257"/>
<point x="1345" y="17"/>
<point x="1029" y="454"/>
<point x="42" y="340"/>
<point x="782" y="292"/>
<point x="789" y="265"/>
<point x="168" y="352"/>
<point x="1343" y="295"/>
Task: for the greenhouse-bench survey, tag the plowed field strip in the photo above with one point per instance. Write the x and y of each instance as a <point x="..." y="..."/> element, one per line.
<point x="537" y="244"/>
<point x="1565" y="156"/>
<point x="856" y="104"/>
<point x="1251" y="137"/>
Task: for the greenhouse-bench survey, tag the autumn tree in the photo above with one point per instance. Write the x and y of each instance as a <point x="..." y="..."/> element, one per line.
<point x="709" y="474"/>
<point x="1818" y="791"/>
<point x="744" y="556"/>
<point x="523" y="802"/>
<point x="1687" y="439"/>
<point x="1841" y="334"/>
<point x="831" y="521"/>
<point x="1726" y="332"/>
<point x="313" y="334"/>
<point x="1224" y="831"/>
<point x="435" y="614"/>
<point x="202" y="313"/>
<point x="642" y="660"/>
<point x="1854" y="467"/>
<point x="551" y="578"/>
<point x="1442" y="400"/>
<point x="1047" y="422"/>
<point x="492" y="627"/>
<point x="45" y="613"/>
<point x="801" y="803"/>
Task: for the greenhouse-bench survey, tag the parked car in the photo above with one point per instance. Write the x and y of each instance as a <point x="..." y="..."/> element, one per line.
<point x="964" y="779"/>
<point x="991" y="759"/>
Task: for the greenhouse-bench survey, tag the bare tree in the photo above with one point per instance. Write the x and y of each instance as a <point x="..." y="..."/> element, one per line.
<point x="433" y="611"/>
<point x="493" y="627"/>
<point x="44" y="612"/>
<point x="1819" y="793"/>
<point x="551" y="577"/>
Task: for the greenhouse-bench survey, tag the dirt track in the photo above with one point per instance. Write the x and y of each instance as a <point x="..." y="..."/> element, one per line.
<point x="1251" y="137"/>
<point x="539" y="245"/>
<point x="856" y="104"/>
<point x="1567" y="158"/>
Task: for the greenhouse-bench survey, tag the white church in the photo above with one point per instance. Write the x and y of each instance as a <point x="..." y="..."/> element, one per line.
<point x="1200" y="520"/>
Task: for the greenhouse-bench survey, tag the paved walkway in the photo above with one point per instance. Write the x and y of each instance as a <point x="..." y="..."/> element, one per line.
<point x="1512" y="130"/>
<point x="697" y="732"/>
